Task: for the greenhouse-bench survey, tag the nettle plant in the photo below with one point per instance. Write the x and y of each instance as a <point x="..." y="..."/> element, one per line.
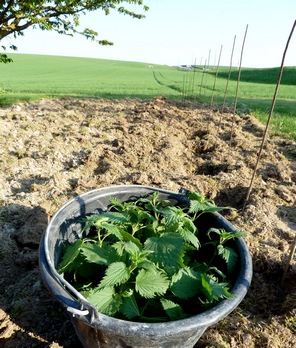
<point x="145" y="260"/>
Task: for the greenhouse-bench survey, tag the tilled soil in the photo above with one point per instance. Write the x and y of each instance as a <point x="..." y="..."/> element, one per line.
<point x="53" y="150"/>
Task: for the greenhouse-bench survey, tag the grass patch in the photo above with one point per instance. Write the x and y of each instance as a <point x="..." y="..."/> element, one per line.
<point x="33" y="77"/>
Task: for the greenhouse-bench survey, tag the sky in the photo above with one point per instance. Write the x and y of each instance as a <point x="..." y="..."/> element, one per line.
<point x="177" y="32"/>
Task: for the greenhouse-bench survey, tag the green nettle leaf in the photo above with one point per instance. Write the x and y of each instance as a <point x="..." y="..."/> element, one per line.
<point x="186" y="283"/>
<point x="131" y="248"/>
<point x="213" y="290"/>
<point x="146" y="264"/>
<point x="173" y="215"/>
<point x="173" y="310"/>
<point x="129" y="307"/>
<point x="229" y="255"/>
<point x="204" y="207"/>
<point x="189" y="237"/>
<point x="105" y="300"/>
<point x="116" y="217"/>
<point x="129" y="238"/>
<point x="225" y="235"/>
<point x="150" y="283"/>
<point x="117" y="273"/>
<point x="111" y="229"/>
<point x="119" y="247"/>
<point x="119" y="205"/>
<point x="206" y="287"/>
<point x="96" y="254"/>
<point x="70" y="254"/>
<point x="168" y="249"/>
<point x="196" y="206"/>
<point x="220" y="290"/>
<point x="214" y="230"/>
<point x="113" y="217"/>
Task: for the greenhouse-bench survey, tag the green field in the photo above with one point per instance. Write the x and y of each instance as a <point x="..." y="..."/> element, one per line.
<point x="34" y="76"/>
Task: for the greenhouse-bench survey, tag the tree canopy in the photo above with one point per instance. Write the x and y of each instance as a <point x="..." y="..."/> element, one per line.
<point x="61" y="16"/>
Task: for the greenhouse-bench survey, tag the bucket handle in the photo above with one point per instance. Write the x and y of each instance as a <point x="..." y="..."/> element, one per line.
<point x="78" y="312"/>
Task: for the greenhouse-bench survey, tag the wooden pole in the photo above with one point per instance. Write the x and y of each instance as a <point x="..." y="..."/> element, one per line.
<point x="238" y="80"/>
<point x="292" y="252"/>
<point x="229" y="74"/>
<point x="216" y="75"/>
<point x="269" y="118"/>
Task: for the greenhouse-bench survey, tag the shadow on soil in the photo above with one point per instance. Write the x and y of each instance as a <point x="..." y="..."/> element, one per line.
<point x="24" y="299"/>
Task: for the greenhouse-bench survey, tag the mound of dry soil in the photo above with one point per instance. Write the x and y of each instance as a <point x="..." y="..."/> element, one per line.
<point x="52" y="150"/>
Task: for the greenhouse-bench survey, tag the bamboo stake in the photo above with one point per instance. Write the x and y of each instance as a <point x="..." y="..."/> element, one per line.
<point x="269" y="118"/>
<point x="207" y="69"/>
<point x="193" y="78"/>
<point x="216" y="75"/>
<point x="238" y="80"/>
<point x="183" y="89"/>
<point x="229" y="74"/>
<point x="292" y="252"/>
<point x="202" y="77"/>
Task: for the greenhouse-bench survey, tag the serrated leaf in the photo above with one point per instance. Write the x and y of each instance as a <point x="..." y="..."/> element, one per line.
<point x="225" y="235"/>
<point x="127" y="237"/>
<point x="116" y="217"/>
<point x="229" y="255"/>
<point x="167" y="248"/>
<point x="173" y="310"/>
<point x="186" y="283"/>
<point x="213" y="290"/>
<point x="147" y="264"/>
<point x="118" y="247"/>
<point x="206" y="287"/>
<point x="117" y="273"/>
<point x="172" y="215"/>
<point x="220" y="290"/>
<point x="196" y="206"/>
<point x="131" y="248"/>
<point x="70" y="254"/>
<point x="105" y="300"/>
<point x="150" y="283"/>
<point x="214" y="230"/>
<point x="195" y="196"/>
<point x="189" y="237"/>
<point x="130" y="307"/>
<point x="111" y="229"/>
<point x="93" y="253"/>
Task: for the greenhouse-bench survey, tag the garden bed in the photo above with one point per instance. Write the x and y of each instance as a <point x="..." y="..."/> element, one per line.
<point x="52" y="150"/>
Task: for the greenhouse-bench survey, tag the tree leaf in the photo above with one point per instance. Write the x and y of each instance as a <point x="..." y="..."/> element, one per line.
<point x="70" y="254"/>
<point x="130" y="307"/>
<point x="168" y="249"/>
<point x="150" y="283"/>
<point x="105" y="300"/>
<point x="173" y="310"/>
<point x="186" y="283"/>
<point x="117" y="273"/>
